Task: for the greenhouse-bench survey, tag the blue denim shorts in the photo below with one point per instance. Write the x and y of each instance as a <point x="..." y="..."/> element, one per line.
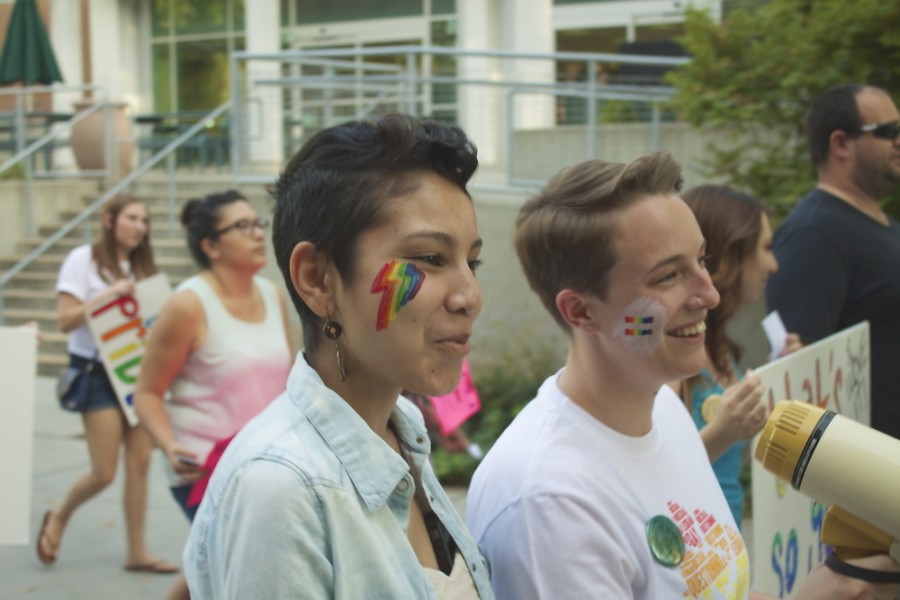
<point x="100" y="391"/>
<point x="181" y="493"/>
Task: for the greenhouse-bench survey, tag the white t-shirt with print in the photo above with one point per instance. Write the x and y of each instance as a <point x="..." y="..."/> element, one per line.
<point x="561" y="503"/>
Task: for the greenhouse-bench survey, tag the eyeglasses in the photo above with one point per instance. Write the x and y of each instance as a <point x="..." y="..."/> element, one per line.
<point x="245" y="226"/>
<point x="886" y="131"/>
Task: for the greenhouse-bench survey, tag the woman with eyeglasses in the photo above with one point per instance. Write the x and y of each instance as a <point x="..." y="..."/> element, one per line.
<point x="220" y="346"/>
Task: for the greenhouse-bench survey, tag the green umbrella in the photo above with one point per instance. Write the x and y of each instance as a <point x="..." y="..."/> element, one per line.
<point x="27" y="54"/>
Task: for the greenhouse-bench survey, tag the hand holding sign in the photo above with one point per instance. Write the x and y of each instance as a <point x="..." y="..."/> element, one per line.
<point x="120" y="328"/>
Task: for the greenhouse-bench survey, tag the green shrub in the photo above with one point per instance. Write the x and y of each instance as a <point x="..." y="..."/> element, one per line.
<point x="17" y="171"/>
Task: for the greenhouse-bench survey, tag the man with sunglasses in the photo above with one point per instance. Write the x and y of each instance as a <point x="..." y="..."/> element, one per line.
<point x="838" y="251"/>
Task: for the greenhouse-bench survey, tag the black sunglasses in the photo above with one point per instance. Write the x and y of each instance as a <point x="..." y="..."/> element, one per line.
<point x="245" y="226"/>
<point x="886" y="131"/>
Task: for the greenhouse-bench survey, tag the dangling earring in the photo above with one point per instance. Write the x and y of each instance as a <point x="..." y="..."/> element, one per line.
<point x="333" y="330"/>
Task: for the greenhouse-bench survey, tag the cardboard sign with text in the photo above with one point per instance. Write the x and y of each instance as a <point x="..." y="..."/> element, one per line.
<point x="833" y="374"/>
<point x="18" y="371"/>
<point x="120" y="330"/>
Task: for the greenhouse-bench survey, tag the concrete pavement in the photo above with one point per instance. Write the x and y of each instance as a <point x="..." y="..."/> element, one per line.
<point x="92" y="553"/>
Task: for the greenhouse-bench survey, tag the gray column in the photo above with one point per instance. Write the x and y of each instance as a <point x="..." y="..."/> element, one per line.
<point x="527" y="26"/>
<point x="264" y="114"/>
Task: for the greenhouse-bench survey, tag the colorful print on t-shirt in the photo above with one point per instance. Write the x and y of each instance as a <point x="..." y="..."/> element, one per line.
<point x="715" y="564"/>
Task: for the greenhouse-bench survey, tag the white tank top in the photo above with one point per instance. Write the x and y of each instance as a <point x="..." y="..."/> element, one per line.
<point x="240" y="368"/>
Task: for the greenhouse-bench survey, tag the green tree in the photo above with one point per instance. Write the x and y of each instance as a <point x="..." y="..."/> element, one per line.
<point x="753" y="76"/>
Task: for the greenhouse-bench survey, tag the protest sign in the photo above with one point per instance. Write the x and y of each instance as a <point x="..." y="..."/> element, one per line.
<point x="120" y="329"/>
<point x="832" y="374"/>
<point x="18" y="369"/>
<point x="453" y="409"/>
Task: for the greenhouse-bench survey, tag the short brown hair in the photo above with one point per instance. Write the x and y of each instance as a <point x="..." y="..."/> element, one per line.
<point x="335" y="187"/>
<point x="564" y="235"/>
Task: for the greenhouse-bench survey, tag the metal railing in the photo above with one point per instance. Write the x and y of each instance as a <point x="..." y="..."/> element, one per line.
<point x="97" y="204"/>
<point x="24" y="152"/>
<point x="499" y="97"/>
<point x="320" y="88"/>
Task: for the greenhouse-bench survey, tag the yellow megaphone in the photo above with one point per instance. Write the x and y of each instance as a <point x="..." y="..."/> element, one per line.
<point x="839" y="462"/>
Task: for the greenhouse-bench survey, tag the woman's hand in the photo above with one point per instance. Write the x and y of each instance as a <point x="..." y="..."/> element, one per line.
<point x="122" y="287"/>
<point x="739" y="415"/>
<point x="742" y="413"/>
<point x="792" y="343"/>
<point x="184" y="462"/>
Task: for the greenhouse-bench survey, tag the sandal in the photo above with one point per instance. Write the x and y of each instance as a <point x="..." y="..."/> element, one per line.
<point x="48" y="558"/>
<point x="159" y="565"/>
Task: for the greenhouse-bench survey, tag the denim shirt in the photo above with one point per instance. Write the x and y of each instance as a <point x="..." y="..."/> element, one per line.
<point x="309" y="502"/>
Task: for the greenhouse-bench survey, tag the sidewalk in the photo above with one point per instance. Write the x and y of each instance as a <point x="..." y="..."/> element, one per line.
<point x="93" y="549"/>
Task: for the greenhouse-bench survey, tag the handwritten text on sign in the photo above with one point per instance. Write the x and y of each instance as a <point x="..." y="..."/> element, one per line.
<point x="833" y="374"/>
<point x="120" y="330"/>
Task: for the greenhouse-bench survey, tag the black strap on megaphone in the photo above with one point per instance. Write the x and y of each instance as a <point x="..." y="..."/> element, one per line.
<point x="872" y="576"/>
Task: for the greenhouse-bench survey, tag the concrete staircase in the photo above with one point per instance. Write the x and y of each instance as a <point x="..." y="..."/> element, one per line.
<point x="31" y="296"/>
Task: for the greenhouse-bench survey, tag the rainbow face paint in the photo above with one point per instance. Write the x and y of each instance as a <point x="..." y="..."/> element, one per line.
<point x="398" y="282"/>
<point x="640" y="325"/>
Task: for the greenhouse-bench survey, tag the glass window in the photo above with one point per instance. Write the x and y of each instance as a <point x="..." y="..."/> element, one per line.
<point x="162" y="83"/>
<point x="191" y="43"/>
<point x="201" y="16"/>
<point x="160" y="17"/>
<point x="285" y="10"/>
<point x="324" y="11"/>
<point x="605" y="39"/>
<point x="443" y="7"/>
<point x="202" y="74"/>
<point x="644" y="33"/>
<point x="443" y="34"/>
<point x="238" y="15"/>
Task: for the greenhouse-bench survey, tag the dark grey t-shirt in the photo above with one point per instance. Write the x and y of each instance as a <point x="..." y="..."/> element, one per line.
<point x="838" y="267"/>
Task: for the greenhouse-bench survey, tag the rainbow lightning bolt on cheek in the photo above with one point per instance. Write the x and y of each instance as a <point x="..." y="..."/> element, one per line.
<point x="398" y="282"/>
<point x="640" y="325"/>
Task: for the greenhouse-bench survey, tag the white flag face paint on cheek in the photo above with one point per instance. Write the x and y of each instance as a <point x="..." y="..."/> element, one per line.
<point x="640" y="325"/>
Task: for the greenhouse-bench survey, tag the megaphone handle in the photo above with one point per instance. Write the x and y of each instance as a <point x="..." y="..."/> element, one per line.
<point x="872" y="576"/>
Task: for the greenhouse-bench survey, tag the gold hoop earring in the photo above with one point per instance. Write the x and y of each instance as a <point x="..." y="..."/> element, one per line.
<point x="333" y="330"/>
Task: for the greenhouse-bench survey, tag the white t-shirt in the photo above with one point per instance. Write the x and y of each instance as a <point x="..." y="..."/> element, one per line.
<point x="79" y="277"/>
<point x="561" y="507"/>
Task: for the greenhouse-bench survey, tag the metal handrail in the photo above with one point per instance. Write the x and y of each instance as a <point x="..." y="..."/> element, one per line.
<point x="399" y="85"/>
<point x="47" y="137"/>
<point x="303" y="55"/>
<point x="101" y="201"/>
<point x="24" y="154"/>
